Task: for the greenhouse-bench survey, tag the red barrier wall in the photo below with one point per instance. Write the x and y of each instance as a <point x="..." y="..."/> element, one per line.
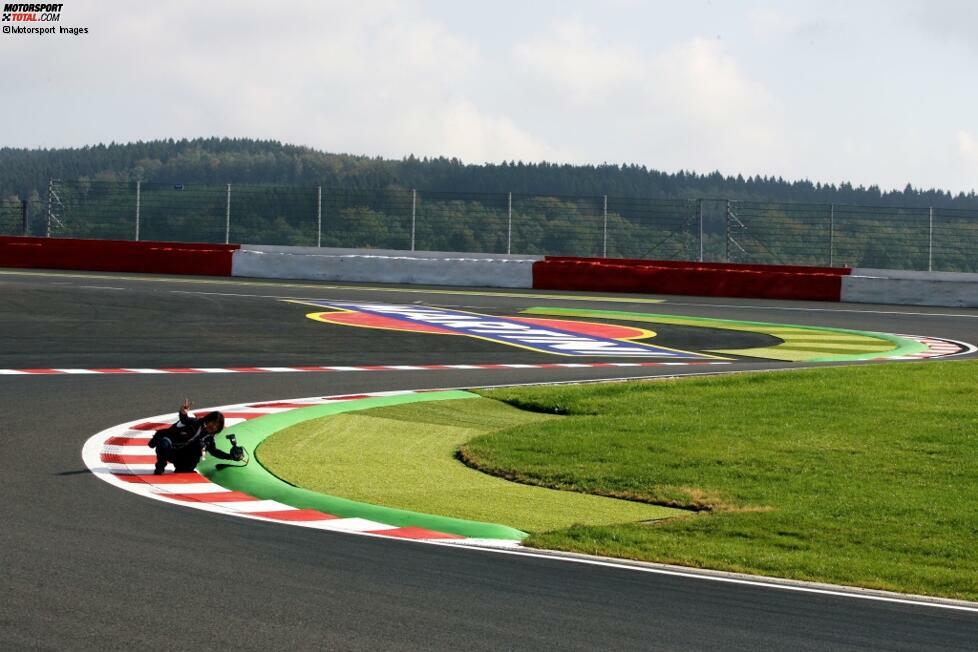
<point x="117" y="256"/>
<point x="712" y="280"/>
<point x="687" y="264"/>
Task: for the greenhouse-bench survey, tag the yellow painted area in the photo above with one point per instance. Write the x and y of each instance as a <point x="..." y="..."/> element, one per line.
<point x="801" y="344"/>
<point x="798" y="344"/>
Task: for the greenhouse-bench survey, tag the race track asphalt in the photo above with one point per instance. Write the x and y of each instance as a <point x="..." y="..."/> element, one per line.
<point x="86" y="566"/>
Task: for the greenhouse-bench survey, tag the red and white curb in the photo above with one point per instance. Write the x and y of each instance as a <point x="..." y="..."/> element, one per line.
<point x="121" y="457"/>
<point x="936" y="348"/>
<point x="329" y="368"/>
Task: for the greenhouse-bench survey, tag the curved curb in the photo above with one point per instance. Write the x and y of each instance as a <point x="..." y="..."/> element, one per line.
<point x="905" y="347"/>
<point x="119" y="456"/>
<point x="256" y="480"/>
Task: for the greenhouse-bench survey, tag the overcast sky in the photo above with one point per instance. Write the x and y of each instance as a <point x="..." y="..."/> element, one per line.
<point x="869" y="92"/>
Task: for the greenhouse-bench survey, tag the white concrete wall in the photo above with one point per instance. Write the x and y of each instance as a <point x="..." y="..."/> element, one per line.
<point x="907" y="288"/>
<point x="380" y="266"/>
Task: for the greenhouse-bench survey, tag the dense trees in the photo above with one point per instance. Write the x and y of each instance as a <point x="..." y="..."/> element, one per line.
<point x="216" y="161"/>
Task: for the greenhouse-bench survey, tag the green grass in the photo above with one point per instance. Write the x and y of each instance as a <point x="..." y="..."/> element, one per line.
<point x="404" y="457"/>
<point x="859" y="475"/>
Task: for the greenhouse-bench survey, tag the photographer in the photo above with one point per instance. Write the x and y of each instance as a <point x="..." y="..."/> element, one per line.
<point x="184" y="443"/>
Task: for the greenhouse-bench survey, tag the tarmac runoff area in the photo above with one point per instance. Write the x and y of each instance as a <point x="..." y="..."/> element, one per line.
<point x="79" y="551"/>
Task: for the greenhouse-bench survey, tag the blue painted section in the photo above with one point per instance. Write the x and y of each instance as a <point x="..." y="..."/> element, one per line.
<point x="513" y="333"/>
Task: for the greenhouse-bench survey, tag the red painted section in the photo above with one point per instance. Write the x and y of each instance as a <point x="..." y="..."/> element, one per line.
<point x="117" y="256"/>
<point x="691" y="279"/>
<point x="127" y="441"/>
<point x="283" y="405"/>
<point x="295" y="515"/>
<point x="214" y="497"/>
<point x="416" y="533"/>
<point x="692" y="264"/>
<point x="151" y="425"/>
<point x="594" y="329"/>
<point x="234" y="415"/>
<point x="376" y="321"/>
<point x="166" y="478"/>
<point x="116" y="458"/>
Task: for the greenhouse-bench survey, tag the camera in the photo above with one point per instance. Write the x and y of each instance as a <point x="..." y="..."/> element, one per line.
<point x="237" y="452"/>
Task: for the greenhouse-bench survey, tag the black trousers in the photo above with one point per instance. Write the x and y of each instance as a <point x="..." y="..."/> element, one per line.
<point x="184" y="460"/>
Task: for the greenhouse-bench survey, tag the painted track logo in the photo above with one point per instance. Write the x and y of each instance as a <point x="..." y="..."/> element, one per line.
<point x="557" y="337"/>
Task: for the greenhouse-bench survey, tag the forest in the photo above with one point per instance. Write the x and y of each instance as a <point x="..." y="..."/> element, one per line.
<point x="287" y="194"/>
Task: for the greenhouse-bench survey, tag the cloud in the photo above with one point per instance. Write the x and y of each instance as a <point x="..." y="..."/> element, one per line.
<point x="472" y="136"/>
<point x="378" y="78"/>
<point x="688" y="106"/>
<point x="968" y="152"/>
<point x="575" y="61"/>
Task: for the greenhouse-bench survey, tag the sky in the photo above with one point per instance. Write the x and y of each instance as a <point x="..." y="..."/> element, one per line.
<point x="867" y="92"/>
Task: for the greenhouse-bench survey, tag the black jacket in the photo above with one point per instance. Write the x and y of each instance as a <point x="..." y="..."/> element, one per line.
<point x="190" y="438"/>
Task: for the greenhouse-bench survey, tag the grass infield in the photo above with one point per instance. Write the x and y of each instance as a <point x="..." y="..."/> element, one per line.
<point x="404" y="457"/>
<point x="864" y="476"/>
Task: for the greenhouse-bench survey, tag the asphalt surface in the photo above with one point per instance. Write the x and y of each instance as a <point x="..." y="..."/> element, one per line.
<point x="86" y="566"/>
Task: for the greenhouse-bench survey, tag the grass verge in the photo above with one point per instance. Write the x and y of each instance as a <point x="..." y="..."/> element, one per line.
<point x="404" y="457"/>
<point x="864" y="475"/>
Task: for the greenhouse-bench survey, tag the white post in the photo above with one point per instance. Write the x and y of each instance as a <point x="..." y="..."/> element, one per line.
<point x="319" y="216"/>
<point x="604" y="248"/>
<point x="701" y="230"/>
<point x="47" y="230"/>
<point x="414" y="210"/>
<point x="138" y="184"/>
<point x="832" y="235"/>
<point x="509" y="225"/>
<point x="227" y="217"/>
<point x="930" y="241"/>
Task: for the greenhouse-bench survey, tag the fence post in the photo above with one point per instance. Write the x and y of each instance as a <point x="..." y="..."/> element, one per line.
<point x="227" y="217"/>
<point x="509" y="224"/>
<point x="23" y="216"/>
<point x="319" y="216"/>
<point x="138" y="188"/>
<point x="930" y="240"/>
<point x="47" y="230"/>
<point x="727" y="236"/>
<point x="604" y="250"/>
<point x="831" y="235"/>
<point x="414" y="211"/>
<point x="701" y="228"/>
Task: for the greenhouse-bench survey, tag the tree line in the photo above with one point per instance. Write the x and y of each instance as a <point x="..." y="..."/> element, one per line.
<point x="216" y="161"/>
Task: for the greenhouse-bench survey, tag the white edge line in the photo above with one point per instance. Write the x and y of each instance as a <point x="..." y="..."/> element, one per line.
<point x="744" y="581"/>
<point x="93" y="446"/>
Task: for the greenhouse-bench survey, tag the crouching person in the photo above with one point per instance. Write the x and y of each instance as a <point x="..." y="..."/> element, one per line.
<point x="183" y="444"/>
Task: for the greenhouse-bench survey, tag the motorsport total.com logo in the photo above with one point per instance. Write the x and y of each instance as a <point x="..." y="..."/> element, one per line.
<point x="31" y="13"/>
<point x="28" y="16"/>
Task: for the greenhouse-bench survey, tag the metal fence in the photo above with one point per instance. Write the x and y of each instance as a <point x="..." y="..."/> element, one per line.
<point x="409" y="219"/>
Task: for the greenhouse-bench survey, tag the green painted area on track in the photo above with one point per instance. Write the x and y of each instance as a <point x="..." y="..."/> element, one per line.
<point x="257" y="481"/>
<point x="800" y="343"/>
<point x="405" y="456"/>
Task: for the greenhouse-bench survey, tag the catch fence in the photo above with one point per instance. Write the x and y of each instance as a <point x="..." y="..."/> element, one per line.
<point x="410" y="219"/>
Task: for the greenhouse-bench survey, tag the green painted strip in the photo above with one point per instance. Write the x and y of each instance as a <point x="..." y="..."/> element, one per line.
<point x="874" y="345"/>
<point x="904" y="346"/>
<point x="255" y="480"/>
